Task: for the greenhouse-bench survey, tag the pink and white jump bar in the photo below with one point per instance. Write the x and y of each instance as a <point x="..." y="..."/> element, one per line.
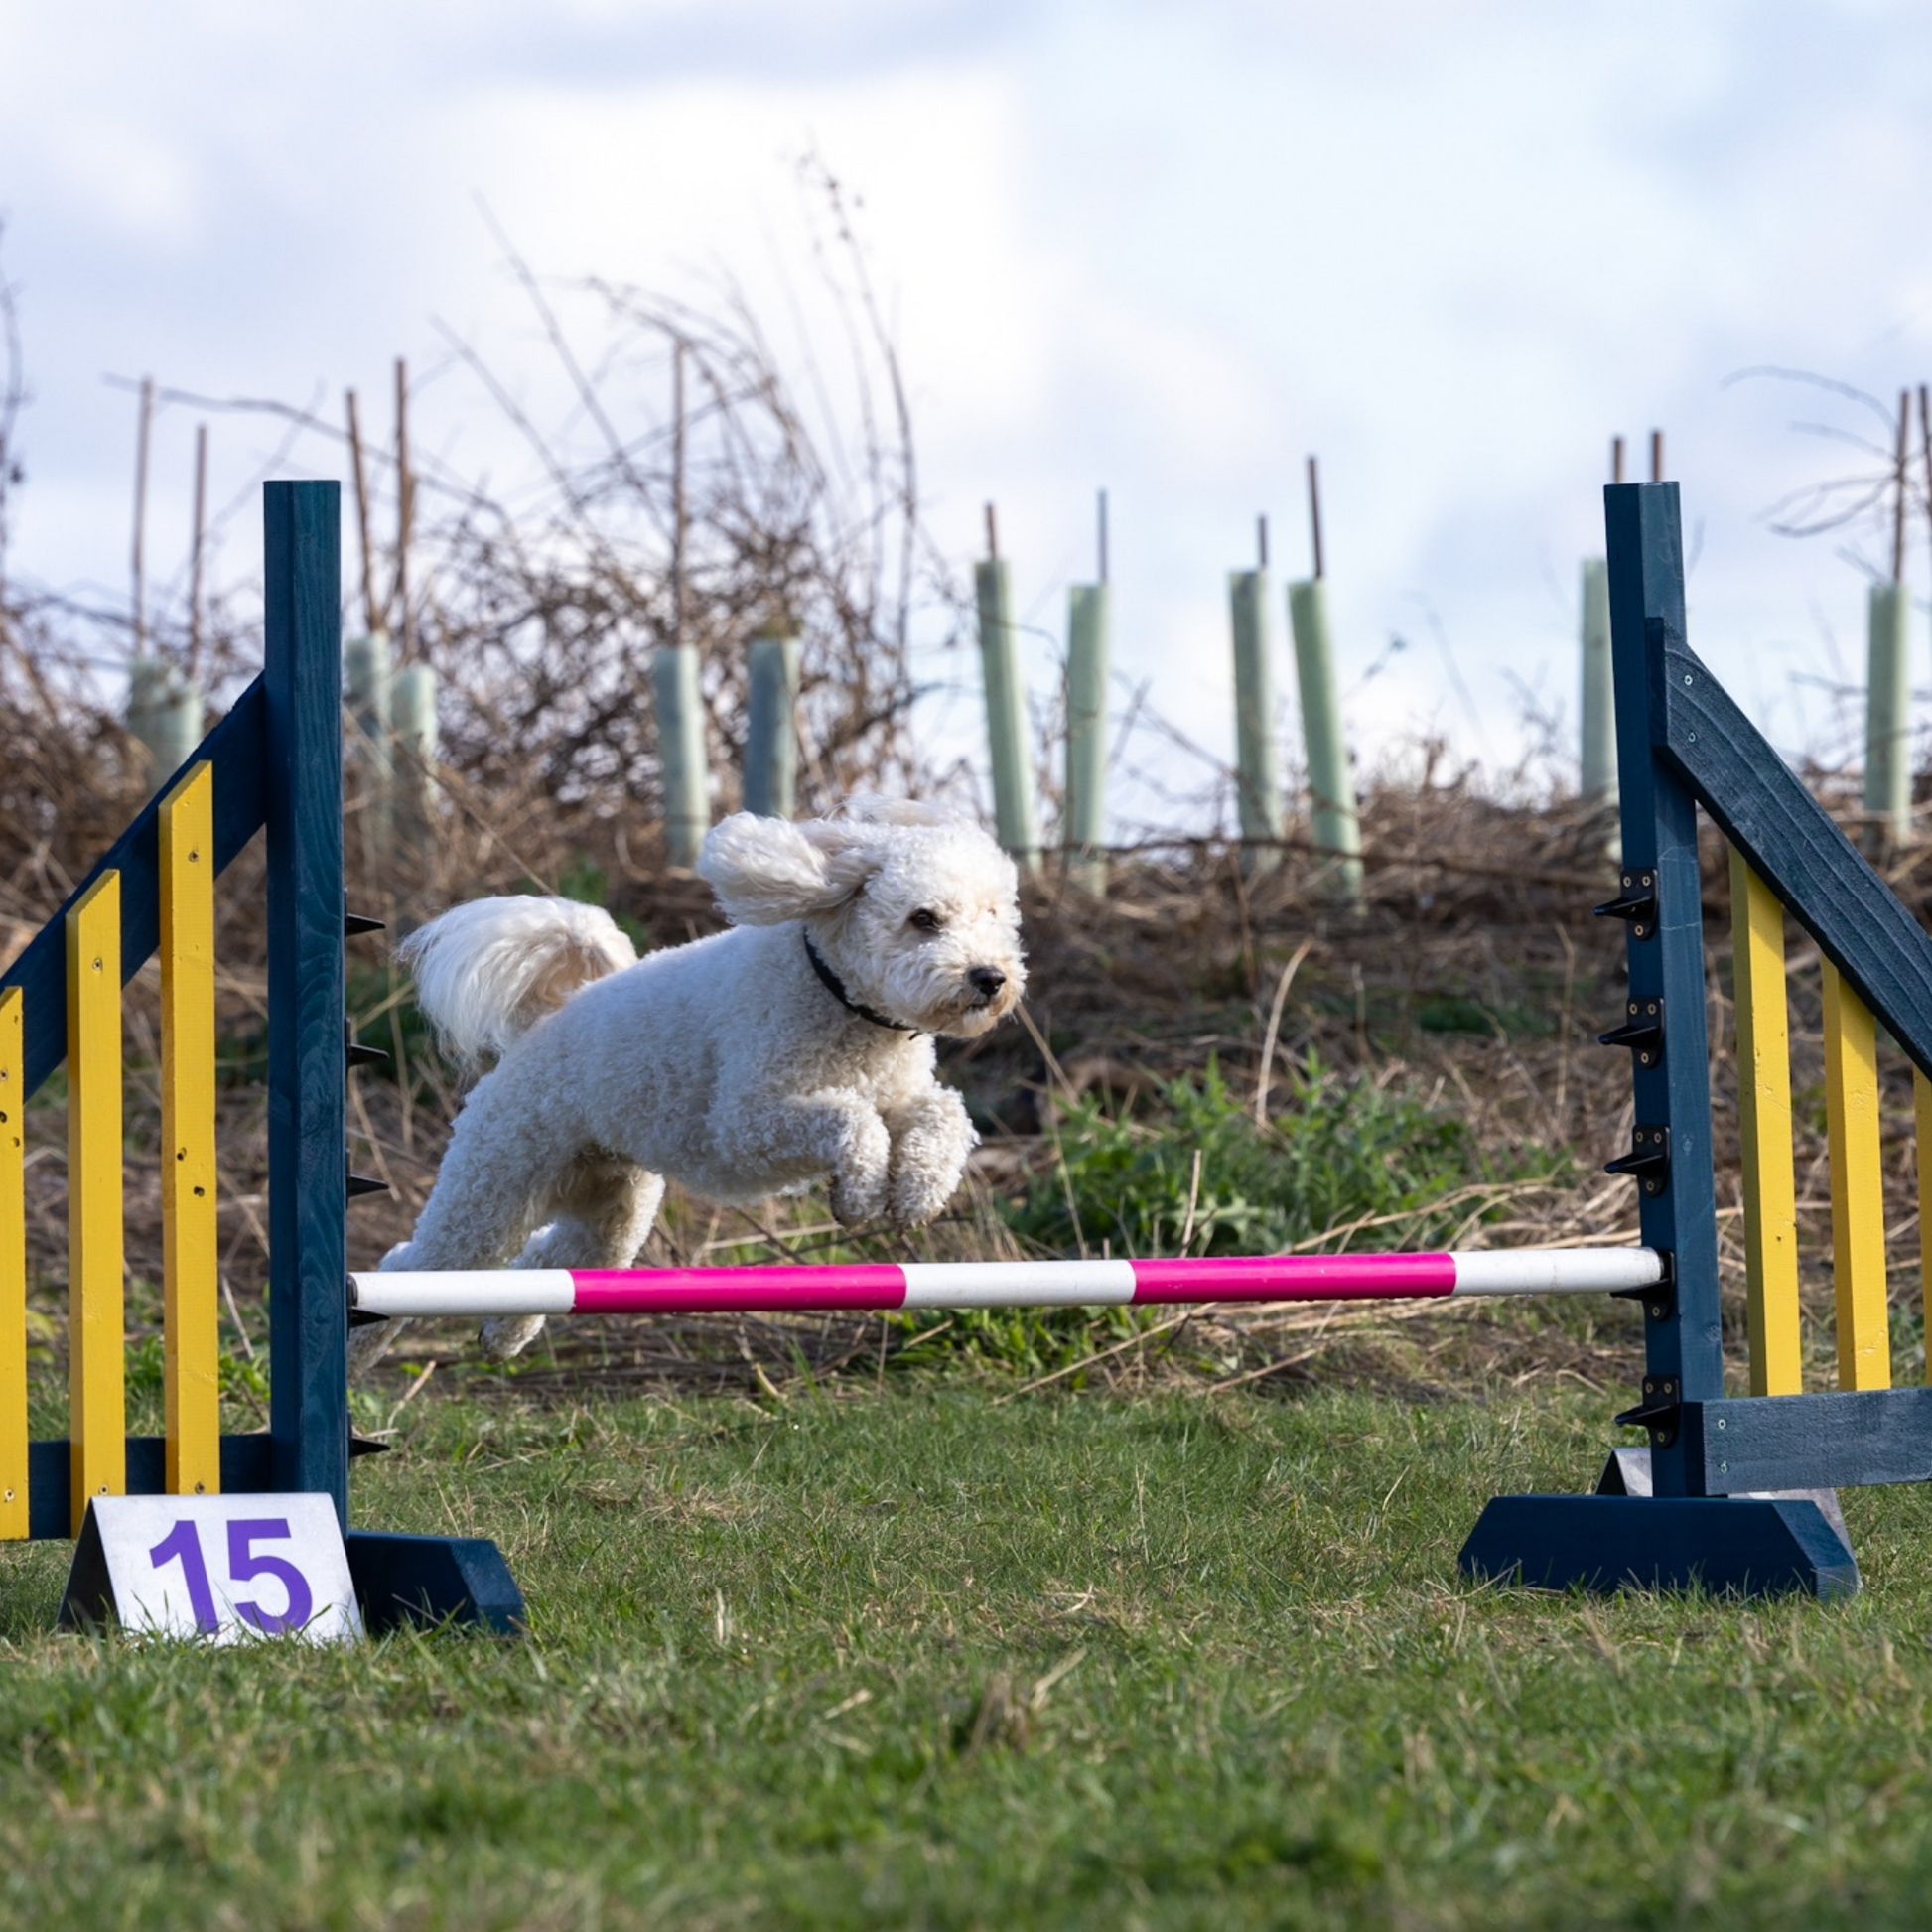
<point x="1002" y="1284"/>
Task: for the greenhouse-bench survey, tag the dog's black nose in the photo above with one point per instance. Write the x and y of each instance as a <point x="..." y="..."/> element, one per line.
<point x="986" y="981"/>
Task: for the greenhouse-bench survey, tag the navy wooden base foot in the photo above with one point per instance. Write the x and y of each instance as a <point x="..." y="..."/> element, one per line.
<point x="433" y="1579"/>
<point x="1753" y="1545"/>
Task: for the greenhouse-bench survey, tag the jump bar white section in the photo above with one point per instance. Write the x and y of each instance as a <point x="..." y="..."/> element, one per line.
<point x="1017" y="1283"/>
<point x="468" y="1291"/>
<point x="1557" y="1271"/>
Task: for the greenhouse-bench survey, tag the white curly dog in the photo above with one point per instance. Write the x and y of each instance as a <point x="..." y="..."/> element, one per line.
<point x="795" y="1047"/>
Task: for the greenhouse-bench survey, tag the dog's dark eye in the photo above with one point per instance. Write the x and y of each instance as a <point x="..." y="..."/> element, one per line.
<point x="926" y="921"/>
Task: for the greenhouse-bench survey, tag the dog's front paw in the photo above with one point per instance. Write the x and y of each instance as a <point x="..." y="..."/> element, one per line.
<point x="929" y="1158"/>
<point x="860" y="1170"/>
<point x="856" y="1198"/>
<point x="919" y="1197"/>
<point x="508" y="1335"/>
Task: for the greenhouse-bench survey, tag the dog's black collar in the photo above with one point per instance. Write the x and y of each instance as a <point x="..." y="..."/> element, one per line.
<point x="836" y="987"/>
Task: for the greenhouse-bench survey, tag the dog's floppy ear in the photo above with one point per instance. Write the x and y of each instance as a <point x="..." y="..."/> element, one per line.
<point x="766" y="871"/>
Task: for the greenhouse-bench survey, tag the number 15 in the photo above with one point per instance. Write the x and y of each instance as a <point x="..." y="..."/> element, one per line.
<point x="183" y="1544"/>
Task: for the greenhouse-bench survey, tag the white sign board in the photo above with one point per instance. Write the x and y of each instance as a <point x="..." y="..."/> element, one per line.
<point x="221" y="1568"/>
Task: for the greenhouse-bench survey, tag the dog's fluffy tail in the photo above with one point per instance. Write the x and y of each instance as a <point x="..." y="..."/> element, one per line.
<point x="488" y="971"/>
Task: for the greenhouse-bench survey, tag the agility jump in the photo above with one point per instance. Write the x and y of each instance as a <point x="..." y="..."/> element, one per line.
<point x="273" y="765"/>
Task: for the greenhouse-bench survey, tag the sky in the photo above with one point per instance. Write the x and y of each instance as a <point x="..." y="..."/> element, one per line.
<point x="1452" y="246"/>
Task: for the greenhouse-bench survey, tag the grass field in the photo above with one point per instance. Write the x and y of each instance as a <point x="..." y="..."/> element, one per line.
<point x="927" y="1657"/>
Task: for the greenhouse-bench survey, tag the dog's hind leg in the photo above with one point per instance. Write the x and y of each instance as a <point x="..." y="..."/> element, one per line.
<point x="493" y="1188"/>
<point x="600" y="1215"/>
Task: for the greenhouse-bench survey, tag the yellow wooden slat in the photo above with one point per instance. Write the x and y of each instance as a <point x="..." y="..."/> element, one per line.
<point x="97" y="1324"/>
<point x="1764" y="1117"/>
<point x="191" y="1371"/>
<point x="1858" y="1187"/>
<point x="13" y="1269"/>
<point x="1922" y="1123"/>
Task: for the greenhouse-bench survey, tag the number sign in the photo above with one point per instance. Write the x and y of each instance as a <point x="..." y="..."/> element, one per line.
<point x="219" y="1568"/>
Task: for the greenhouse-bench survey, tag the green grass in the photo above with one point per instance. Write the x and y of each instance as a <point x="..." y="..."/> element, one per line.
<point x="926" y="1658"/>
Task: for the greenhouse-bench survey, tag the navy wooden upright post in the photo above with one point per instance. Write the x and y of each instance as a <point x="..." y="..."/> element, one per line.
<point x="1676" y="1533"/>
<point x="398" y="1578"/>
<point x="308" y="1167"/>
<point x="1661" y="900"/>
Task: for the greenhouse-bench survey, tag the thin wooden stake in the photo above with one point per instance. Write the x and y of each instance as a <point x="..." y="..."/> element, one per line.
<point x="1925" y="443"/>
<point x="677" y="494"/>
<point x="1898" y="487"/>
<point x="371" y="617"/>
<point x="1103" y="532"/>
<point x="194" y="562"/>
<point x="675" y="684"/>
<point x="405" y="515"/>
<point x="1888" y="688"/>
<point x="1656" y="455"/>
<point x="1315" y="516"/>
<point x="141" y="513"/>
<point x="1616" y="459"/>
<point x="992" y="536"/>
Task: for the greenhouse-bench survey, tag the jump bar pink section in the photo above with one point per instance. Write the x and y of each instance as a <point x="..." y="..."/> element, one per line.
<point x="735" y="1290"/>
<point x="1296" y="1278"/>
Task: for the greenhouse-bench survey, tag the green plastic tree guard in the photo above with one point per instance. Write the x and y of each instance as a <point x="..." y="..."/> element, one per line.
<point x="1006" y="717"/>
<point x="164" y="715"/>
<point x="367" y="672"/>
<point x="1888" y="716"/>
<point x="1598" y="710"/>
<point x="1331" y="784"/>
<point x="1089" y="614"/>
<point x="1257" y="776"/>
<point x="680" y="749"/>
<point x="413" y="753"/>
<point x="772" y="729"/>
